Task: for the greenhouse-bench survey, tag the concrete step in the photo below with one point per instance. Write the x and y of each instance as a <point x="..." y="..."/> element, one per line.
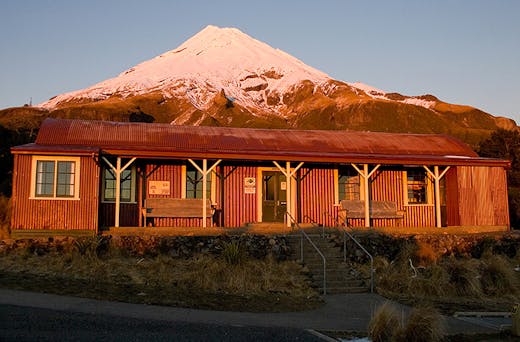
<point x="338" y="290"/>
<point x="340" y="276"/>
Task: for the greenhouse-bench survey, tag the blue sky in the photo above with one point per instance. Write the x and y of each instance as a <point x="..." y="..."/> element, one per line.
<point x="465" y="52"/>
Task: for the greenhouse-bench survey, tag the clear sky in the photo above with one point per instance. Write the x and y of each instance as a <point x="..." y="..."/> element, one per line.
<point x="464" y="52"/>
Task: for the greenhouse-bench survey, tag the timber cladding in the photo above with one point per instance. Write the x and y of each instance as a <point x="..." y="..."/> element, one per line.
<point x="29" y="213"/>
<point x="482" y="196"/>
<point x="238" y="206"/>
<point x="316" y="195"/>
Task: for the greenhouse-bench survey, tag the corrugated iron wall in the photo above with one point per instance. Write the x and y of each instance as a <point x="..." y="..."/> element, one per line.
<point x="482" y="196"/>
<point x="452" y="198"/>
<point x="316" y="190"/>
<point x="128" y="215"/>
<point x="238" y="207"/>
<point x="79" y="214"/>
<point x="165" y="172"/>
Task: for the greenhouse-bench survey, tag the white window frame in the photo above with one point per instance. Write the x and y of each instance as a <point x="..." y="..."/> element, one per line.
<point x="56" y="159"/>
<point x="133" y="183"/>
<point x="429" y="190"/>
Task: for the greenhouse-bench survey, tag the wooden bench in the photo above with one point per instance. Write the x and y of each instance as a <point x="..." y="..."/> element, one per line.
<point x="175" y="207"/>
<point x="378" y="210"/>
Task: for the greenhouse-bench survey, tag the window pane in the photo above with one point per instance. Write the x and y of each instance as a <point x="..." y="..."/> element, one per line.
<point x="110" y="185"/>
<point x="417" y="186"/>
<point x="194" y="183"/>
<point x="45" y="178"/>
<point x="126" y="185"/>
<point x="349" y="185"/>
<point x="65" y="187"/>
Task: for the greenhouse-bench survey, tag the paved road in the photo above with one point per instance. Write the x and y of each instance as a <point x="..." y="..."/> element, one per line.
<point x="30" y="324"/>
<point x="345" y="312"/>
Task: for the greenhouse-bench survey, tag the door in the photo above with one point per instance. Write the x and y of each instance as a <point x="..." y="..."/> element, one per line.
<point x="274" y="203"/>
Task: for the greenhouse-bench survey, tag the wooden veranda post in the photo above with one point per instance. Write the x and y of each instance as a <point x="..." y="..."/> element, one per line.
<point x="366" y="176"/>
<point x="205" y="172"/>
<point x="118" y="170"/>
<point x="436" y="180"/>
<point x="289" y="174"/>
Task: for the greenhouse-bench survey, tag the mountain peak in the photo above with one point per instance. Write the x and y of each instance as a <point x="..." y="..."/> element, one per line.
<point x="213" y="59"/>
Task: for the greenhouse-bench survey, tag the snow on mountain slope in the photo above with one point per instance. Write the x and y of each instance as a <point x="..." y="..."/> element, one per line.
<point x="382" y="95"/>
<point x="214" y="59"/>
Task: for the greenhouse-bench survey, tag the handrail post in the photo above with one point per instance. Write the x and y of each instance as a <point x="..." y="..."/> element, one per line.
<point x="344" y="247"/>
<point x="301" y="247"/>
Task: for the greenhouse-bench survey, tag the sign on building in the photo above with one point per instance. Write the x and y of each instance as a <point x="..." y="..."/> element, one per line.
<point x="159" y="187"/>
<point x="250" y="185"/>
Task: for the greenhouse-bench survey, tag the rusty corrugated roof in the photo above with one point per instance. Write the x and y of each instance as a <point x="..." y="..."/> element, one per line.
<point x="145" y="139"/>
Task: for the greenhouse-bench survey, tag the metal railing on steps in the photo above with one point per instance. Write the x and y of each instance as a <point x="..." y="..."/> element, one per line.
<point x="303" y="235"/>
<point x="350" y="236"/>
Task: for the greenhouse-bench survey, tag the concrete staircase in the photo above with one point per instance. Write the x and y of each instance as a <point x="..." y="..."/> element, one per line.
<point x="340" y="276"/>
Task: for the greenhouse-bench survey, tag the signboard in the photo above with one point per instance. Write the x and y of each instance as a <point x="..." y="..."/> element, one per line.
<point x="159" y="187"/>
<point x="250" y="185"/>
<point x="283" y="186"/>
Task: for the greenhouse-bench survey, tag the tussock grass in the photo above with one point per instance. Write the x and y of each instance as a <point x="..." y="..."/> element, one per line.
<point x="464" y="277"/>
<point x="423" y="325"/>
<point x="490" y="282"/>
<point x="233" y="253"/>
<point x="384" y="324"/>
<point x="5" y="217"/>
<point x="497" y="276"/>
<point x="205" y="273"/>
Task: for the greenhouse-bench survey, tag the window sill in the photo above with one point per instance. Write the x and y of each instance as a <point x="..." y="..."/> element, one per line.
<point x="114" y="202"/>
<point x="419" y="205"/>
<point x="55" y="198"/>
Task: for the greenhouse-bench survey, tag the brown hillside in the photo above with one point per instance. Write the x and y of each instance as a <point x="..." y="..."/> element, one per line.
<point x="335" y="105"/>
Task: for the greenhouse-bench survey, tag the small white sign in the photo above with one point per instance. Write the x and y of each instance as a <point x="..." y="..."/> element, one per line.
<point x="250" y="185"/>
<point x="283" y="185"/>
<point x="159" y="187"/>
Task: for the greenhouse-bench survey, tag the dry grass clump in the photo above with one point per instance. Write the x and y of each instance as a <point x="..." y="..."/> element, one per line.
<point x="233" y="253"/>
<point x="5" y="216"/>
<point x="476" y="283"/>
<point x="384" y="324"/>
<point x="497" y="276"/>
<point x="464" y="277"/>
<point x="423" y="324"/>
<point x="425" y="253"/>
<point x="239" y="275"/>
<point x="403" y="277"/>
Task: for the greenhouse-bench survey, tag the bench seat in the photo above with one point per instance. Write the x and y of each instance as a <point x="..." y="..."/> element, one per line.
<point x="175" y="207"/>
<point x="378" y="210"/>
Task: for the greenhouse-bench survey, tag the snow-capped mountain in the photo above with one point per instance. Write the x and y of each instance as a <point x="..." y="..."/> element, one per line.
<point x="222" y="76"/>
<point x="249" y="72"/>
<point x="214" y="59"/>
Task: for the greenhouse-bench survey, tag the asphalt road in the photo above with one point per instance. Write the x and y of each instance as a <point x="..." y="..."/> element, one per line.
<point x="34" y="324"/>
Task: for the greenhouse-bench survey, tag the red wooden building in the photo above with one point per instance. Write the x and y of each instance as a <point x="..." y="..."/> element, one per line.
<point x="90" y="175"/>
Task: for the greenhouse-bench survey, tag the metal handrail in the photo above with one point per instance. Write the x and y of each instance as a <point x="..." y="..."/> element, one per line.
<point x="316" y="223"/>
<point x="345" y="234"/>
<point x="302" y="234"/>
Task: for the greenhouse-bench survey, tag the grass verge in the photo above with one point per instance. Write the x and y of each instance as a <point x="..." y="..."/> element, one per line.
<point x="204" y="281"/>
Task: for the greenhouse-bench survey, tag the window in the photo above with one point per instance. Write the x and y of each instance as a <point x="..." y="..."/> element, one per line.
<point x="417" y="186"/>
<point x="55" y="178"/>
<point x="194" y="183"/>
<point x="127" y="185"/>
<point x="349" y="185"/>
